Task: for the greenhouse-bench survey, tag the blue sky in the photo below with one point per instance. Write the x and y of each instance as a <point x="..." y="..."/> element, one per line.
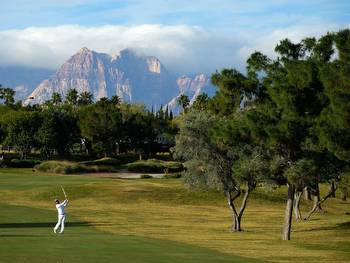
<point x="225" y="31"/>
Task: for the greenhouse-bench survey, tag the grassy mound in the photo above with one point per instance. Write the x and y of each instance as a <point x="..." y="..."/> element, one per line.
<point x="155" y="166"/>
<point x="66" y="167"/>
<point x="107" y="161"/>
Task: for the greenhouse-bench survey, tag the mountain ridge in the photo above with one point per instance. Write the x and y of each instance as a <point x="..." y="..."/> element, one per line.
<point x="134" y="78"/>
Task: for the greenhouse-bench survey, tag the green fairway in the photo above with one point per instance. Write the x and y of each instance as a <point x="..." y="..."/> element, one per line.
<point x="26" y="236"/>
<point x="156" y="220"/>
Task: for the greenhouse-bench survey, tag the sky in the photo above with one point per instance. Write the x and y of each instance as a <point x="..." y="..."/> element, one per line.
<point x="187" y="36"/>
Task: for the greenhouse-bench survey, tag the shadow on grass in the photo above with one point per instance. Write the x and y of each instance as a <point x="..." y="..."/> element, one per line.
<point x="50" y="224"/>
<point x="341" y="226"/>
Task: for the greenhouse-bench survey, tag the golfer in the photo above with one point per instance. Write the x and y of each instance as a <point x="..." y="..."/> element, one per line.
<point x="61" y="215"/>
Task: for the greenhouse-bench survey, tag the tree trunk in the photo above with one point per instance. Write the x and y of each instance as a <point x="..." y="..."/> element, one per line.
<point x="332" y="188"/>
<point x="307" y="194"/>
<point x="318" y="202"/>
<point x="343" y="196"/>
<point x="288" y="213"/>
<point x="317" y="197"/>
<point x="231" y="205"/>
<point x="241" y="211"/>
<point x="297" y="198"/>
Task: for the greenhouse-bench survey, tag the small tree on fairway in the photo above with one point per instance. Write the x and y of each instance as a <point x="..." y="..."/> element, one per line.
<point x="210" y="161"/>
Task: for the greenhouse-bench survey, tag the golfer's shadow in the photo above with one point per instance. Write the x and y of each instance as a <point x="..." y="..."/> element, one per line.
<point x="43" y="224"/>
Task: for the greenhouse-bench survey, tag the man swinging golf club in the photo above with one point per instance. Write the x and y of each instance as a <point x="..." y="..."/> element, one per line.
<point x="61" y="214"/>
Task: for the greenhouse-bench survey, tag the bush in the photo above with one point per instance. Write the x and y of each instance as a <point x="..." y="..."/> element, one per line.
<point x="107" y="161"/>
<point x="27" y="163"/>
<point x="145" y="176"/>
<point x="66" y="167"/>
<point x="172" y="176"/>
<point x="155" y="166"/>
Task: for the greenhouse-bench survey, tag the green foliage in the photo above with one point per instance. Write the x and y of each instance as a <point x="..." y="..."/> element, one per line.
<point x="155" y="166"/>
<point x="183" y="101"/>
<point x="301" y="173"/>
<point x="201" y="102"/>
<point x="27" y="163"/>
<point x="344" y="184"/>
<point x="72" y="97"/>
<point x="7" y="95"/>
<point x="107" y="161"/>
<point x="66" y="167"/>
<point x="101" y="124"/>
<point x="85" y="98"/>
<point x="21" y="128"/>
<point x="56" y="98"/>
<point x="58" y="132"/>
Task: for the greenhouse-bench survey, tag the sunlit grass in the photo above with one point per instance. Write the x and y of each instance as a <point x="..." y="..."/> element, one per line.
<point x="165" y="209"/>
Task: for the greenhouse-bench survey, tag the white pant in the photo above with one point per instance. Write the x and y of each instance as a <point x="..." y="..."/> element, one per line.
<point x="61" y="219"/>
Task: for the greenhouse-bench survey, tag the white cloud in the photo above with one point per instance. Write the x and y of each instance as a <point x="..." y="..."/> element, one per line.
<point x="181" y="48"/>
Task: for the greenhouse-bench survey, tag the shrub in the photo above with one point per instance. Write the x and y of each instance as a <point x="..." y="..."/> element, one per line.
<point x="145" y="176"/>
<point x="61" y="167"/>
<point x="155" y="166"/>
<point x="66" y="167"/>
<point x="106" y="161"/>
<point x="27" y="163"/>
<point x="172" y="176"/>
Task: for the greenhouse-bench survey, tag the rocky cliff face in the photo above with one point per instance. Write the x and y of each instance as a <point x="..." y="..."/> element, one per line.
<point x="22" y="79"/>
<point x="132" y="77"/>
<point x="191" y="87"/>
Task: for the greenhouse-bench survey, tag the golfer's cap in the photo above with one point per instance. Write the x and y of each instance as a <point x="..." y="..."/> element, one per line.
<point x="57" y="201"/>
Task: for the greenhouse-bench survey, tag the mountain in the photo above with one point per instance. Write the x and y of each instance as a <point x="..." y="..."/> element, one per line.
<point x="191" y="87"/>
<point x="23" y="80"/>
<point x="134" y="78"/>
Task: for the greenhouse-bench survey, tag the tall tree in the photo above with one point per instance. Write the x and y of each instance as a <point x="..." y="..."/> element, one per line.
<point x="21" y="128"/>
<point x="56" y="98"/>
<point x="85" y="98"/>
<point x="183" y="101"/>
<point x="7" y="95"/>
<point x="72" y="97"/>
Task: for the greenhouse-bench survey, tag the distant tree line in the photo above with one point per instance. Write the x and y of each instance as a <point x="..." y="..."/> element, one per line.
<point x="285" y="122"/>
<point x="103" y="128"/>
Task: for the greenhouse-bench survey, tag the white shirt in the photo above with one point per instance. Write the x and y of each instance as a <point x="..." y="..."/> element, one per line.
<point x="60" y="207"/>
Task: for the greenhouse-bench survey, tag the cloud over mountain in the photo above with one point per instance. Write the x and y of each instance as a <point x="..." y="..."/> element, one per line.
<point x="182" y="48"/>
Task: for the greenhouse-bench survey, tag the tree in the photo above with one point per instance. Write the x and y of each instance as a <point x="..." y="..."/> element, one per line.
<point x="85" y="98"/>
<point x="183" y="101"/>
<point x="57" y="132"/>
<point x="115" y="100"/>
<point x="291" y="99"/>
<point x="201" y="102"/>
<point x="212" y="159"/>
<point x="101" y="124"/>
<point x="72" y="97"/>
<point x="21" y="128"/>
<point x="56" y="98"/>
<point x="7" y="95"/>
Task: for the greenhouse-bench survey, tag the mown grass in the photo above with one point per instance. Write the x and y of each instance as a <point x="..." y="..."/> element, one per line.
<point x="166" y="210"/>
